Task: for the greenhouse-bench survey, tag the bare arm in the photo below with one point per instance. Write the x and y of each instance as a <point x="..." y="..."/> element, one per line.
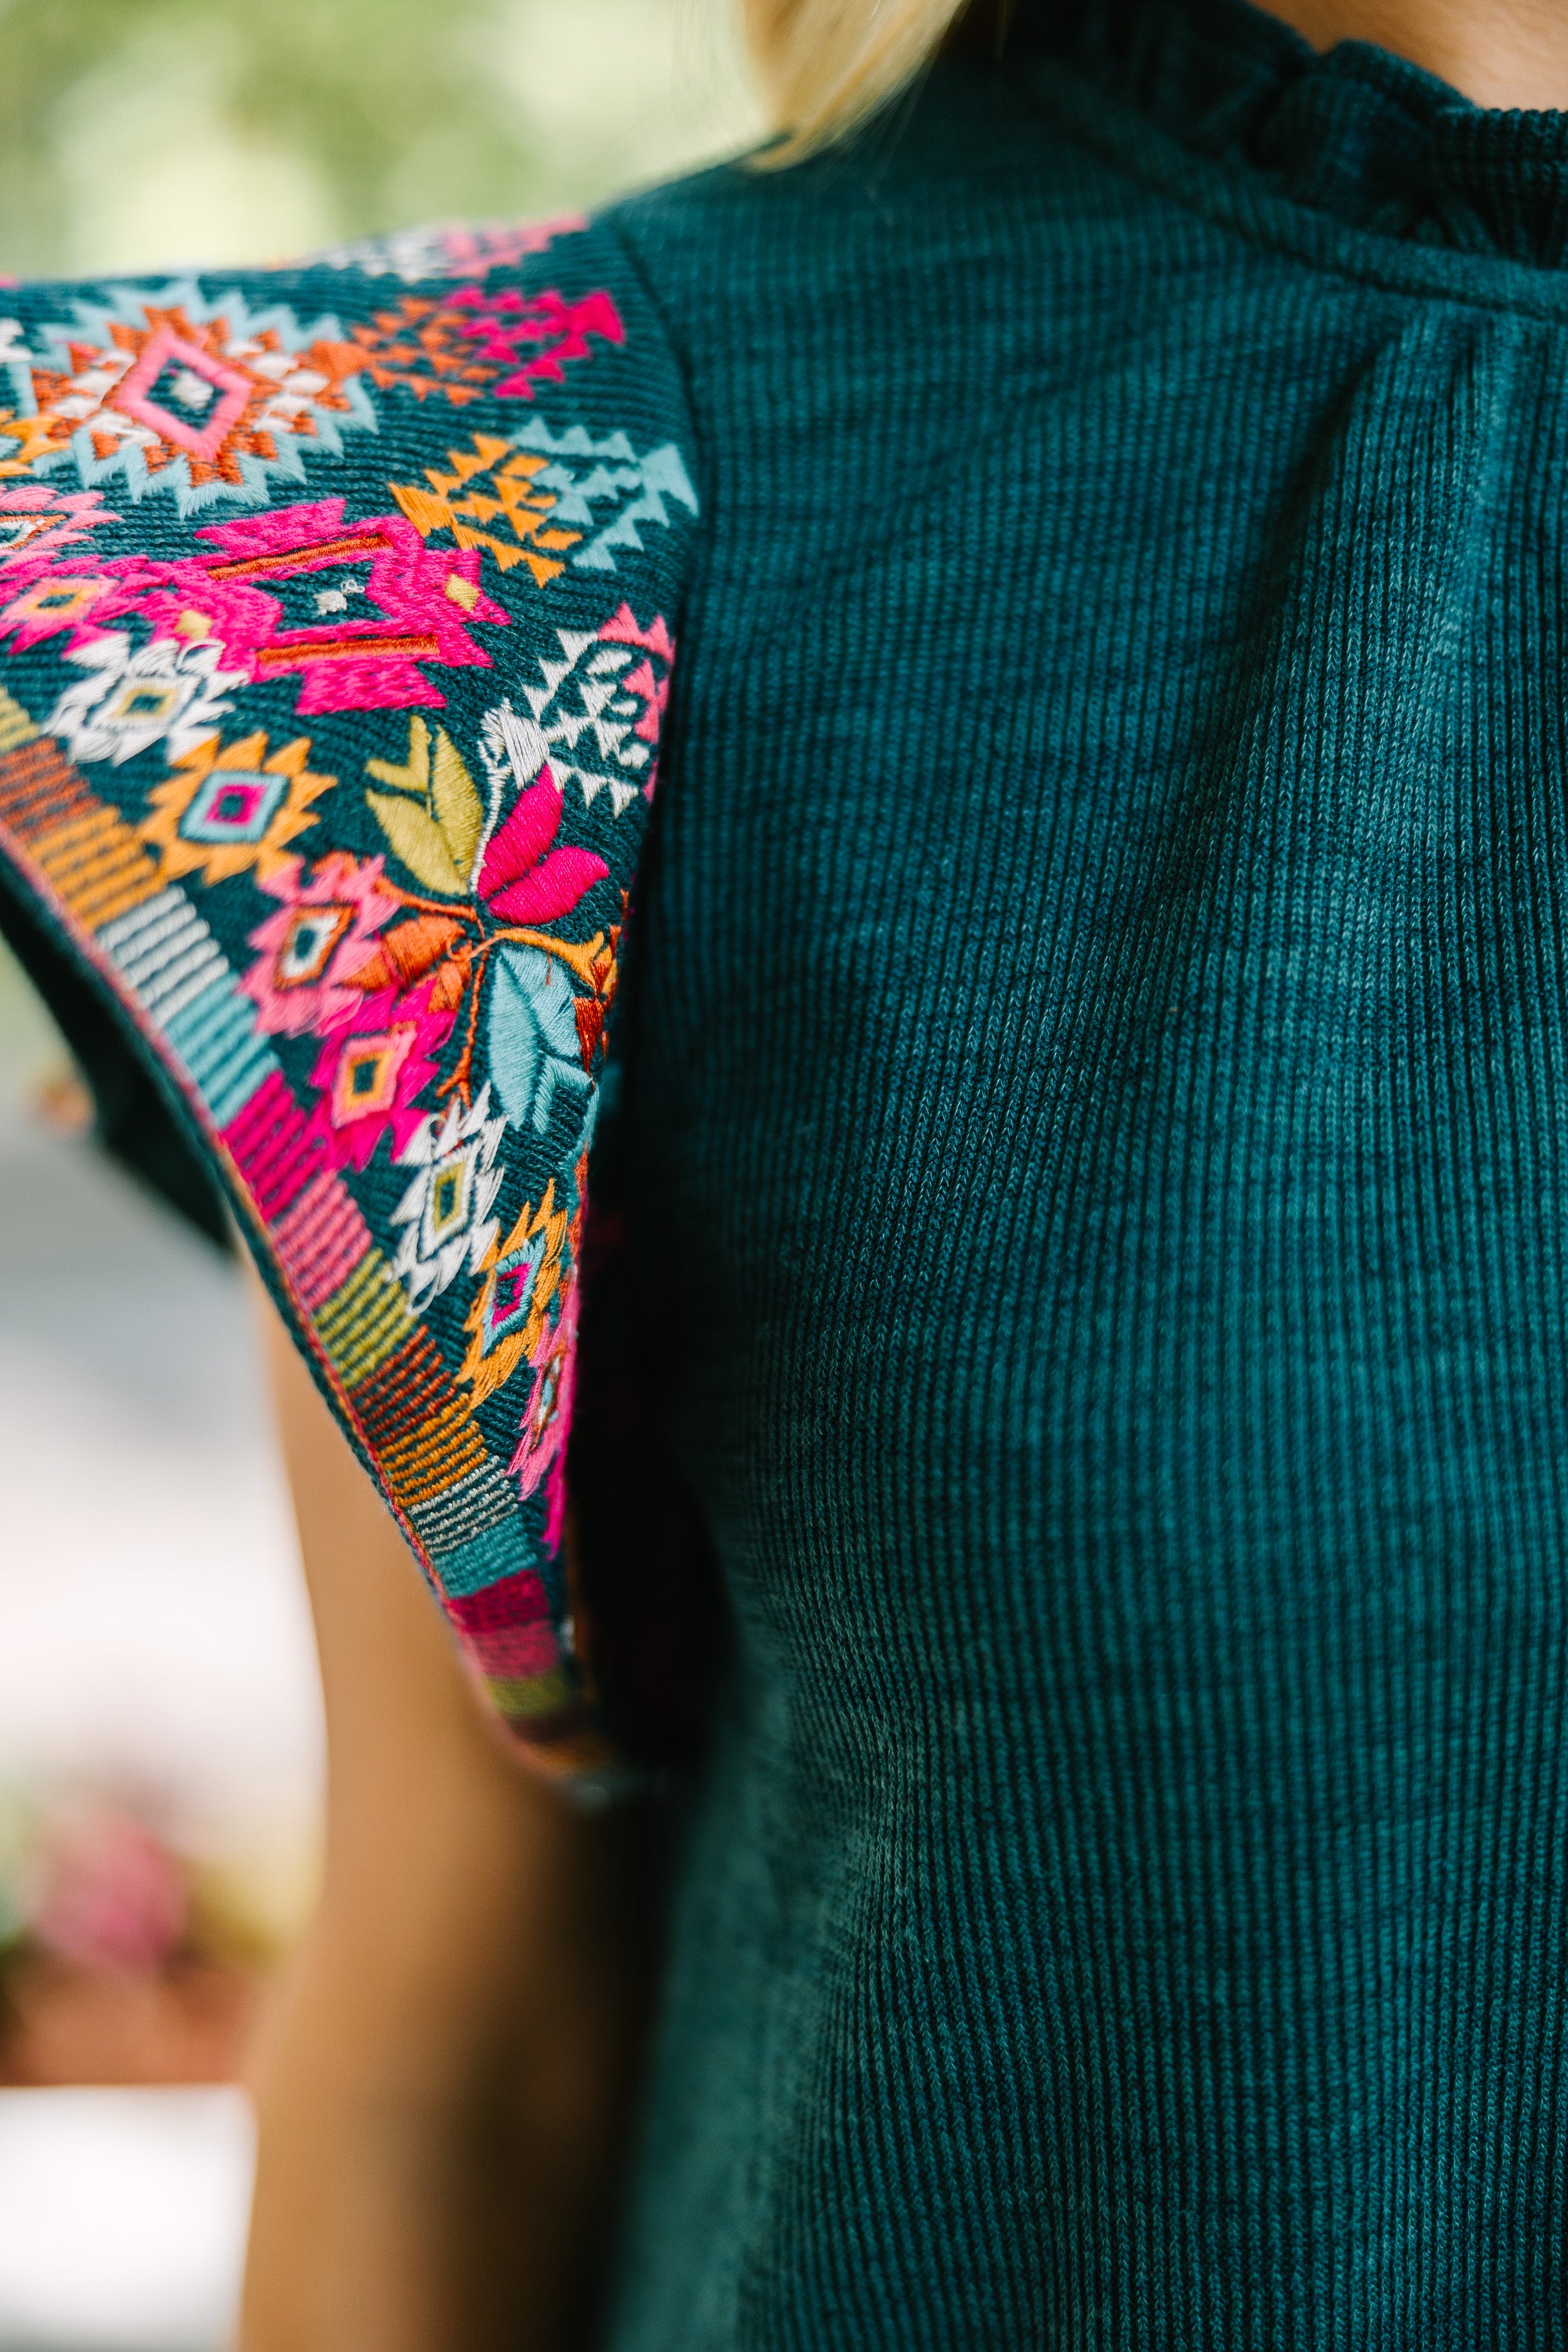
<point x="443" y="2109"/>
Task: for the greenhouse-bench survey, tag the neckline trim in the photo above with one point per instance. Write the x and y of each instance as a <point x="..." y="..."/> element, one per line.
<point x="1354" y="134"/>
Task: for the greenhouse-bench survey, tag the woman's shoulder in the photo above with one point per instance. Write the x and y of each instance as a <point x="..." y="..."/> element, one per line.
<point x="964" y="175"/>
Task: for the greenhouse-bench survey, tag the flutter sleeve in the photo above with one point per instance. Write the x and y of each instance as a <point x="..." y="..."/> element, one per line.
<point x="337" y="613"/>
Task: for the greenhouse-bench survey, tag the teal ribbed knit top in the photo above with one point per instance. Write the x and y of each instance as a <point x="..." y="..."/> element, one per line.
<point x="1079" y="1245"/>
<point x="1101" y="1193"/>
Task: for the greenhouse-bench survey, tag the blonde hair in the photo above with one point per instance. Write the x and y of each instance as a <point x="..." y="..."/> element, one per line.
<point x="826" y="64"/>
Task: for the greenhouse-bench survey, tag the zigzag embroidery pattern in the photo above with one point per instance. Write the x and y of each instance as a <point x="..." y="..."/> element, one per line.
<point x="517" y="497"/>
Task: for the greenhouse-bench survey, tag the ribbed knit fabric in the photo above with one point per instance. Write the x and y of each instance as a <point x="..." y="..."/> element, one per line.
<point x="1093" y="1144"/>
<point x="1098" y="1101"/>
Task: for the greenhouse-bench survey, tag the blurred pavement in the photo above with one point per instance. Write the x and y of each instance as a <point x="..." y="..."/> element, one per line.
<point x="121" y="2219"/>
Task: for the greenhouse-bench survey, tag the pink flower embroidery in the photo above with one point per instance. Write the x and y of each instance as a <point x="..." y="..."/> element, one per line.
<point x="524" y="880"/>
<point x="369" y="1076"/>
<point x="322" y="928"/>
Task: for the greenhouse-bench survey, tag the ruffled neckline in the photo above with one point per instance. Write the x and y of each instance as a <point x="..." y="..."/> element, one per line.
<point x="1353" y="132"/>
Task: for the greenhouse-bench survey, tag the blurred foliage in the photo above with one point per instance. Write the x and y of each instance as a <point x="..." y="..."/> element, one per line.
<point x="135" y="133"/>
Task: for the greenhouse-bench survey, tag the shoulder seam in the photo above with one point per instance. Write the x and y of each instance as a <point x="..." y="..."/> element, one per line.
<point x="680" y="359"/>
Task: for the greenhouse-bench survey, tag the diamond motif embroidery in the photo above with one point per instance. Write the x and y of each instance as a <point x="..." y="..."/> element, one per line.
<point x="159" y="389"/>
<point x="131" y="698"/>
<point x="445" y="1213"/>
<point x="308" y="944"/>
<point x="367" y="1075"/>
<point x="382" y="992"/>
<point x="234" y="807"/>
<point x="512" y="1301"/>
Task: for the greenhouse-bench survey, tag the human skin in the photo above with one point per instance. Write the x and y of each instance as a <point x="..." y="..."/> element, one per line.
<point x="444" y="2108"/>
<point x="443" y="2104"/>
<point x="1500" y="53"/>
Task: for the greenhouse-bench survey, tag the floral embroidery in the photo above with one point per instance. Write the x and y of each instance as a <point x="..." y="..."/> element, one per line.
<point x="532" y="1038"/>
<point x="229" y="808"/>
<point x="377" y="958"/>
<point x="526" y="878"/>
<point x="524" y="882"/>
<point x="435" y="823"/>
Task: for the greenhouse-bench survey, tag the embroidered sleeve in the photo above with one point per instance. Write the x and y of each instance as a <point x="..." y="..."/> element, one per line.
<point x="335" y="635"/>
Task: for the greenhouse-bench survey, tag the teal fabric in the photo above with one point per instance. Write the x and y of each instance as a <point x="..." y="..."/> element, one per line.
<point x="1098" y="1109"/>
<point x="1093" y="1154"/>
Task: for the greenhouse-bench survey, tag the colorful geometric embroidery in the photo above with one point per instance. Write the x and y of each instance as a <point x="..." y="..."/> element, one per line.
<point x="168" y="694"/>
<point x="521" y="1275"/>
<point x="36" y="523"/>
<point x="474" y="342"/>
<point x="518" y="500"/>
<point x="375" y="957"/>
<point x="350" y="610"/>
<point x="499" y="506"/>
<point x="615" y="493"/>
<point x="615" y="702"/>
<point x="232" y="808"/>
<point x="452" y="249"/>
<point x="324" y="930"/>
<point x="159" y="389"/>
<point x="372" y="604"/>
<point x="445" y="1213"/>
<point x="369" y="1079"/>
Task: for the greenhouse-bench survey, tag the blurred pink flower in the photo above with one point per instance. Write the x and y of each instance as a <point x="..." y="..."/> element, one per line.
<point x="107" y="1893"/>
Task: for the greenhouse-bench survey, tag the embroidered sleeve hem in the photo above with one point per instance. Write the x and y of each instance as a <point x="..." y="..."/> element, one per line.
<point x="334" y="646"/>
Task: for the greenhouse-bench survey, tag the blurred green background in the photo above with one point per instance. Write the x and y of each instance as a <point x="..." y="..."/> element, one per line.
<point x="135" y="133"/>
